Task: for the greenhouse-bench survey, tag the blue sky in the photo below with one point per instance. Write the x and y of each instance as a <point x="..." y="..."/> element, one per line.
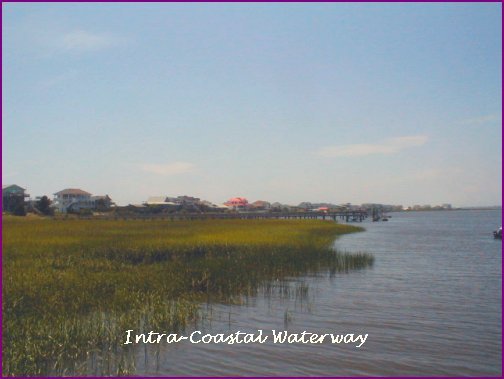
<point x="388" y="103"/>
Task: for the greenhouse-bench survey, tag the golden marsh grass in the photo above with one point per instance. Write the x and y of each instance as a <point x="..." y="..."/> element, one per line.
<point x="72" y="287"/>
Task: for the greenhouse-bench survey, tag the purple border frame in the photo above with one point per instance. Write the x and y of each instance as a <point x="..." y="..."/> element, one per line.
<point x="230" y="1"/>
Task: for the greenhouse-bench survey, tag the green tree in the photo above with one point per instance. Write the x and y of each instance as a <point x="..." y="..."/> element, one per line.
<point x="44" y="205"/>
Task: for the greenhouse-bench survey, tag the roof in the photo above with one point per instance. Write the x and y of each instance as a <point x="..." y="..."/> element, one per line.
<point x="13" y="189"/>
<point x="159" y="200"/>
<point x="105" y="197"/>
<point x="156" y="199"/>
<point x="12" y="185"/>
<point x="237" y="200"/>
<point x="260" y="203"/>
<point x="72" y="191"/>
<point x="215" y="206"/>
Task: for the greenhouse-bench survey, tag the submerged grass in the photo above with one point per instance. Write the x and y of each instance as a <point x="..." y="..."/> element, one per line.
<point x="72" y="288"/>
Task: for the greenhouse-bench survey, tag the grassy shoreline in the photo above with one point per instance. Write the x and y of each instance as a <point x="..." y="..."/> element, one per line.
<point x="71" y="288"/>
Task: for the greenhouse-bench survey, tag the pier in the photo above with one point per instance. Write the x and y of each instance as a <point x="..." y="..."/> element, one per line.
<point x="348" y="216"/>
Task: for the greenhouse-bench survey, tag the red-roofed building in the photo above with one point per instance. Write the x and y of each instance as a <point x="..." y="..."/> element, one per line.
<point x="237" y="203"/>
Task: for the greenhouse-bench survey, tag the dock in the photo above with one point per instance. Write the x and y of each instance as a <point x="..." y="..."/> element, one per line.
<point x="348" y="216"/>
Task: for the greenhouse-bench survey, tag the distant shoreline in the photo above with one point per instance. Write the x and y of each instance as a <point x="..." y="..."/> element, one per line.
<point x="495" y="208"/>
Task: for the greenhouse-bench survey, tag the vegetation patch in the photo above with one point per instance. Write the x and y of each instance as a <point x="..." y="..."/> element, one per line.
<point x="71" y="288"/>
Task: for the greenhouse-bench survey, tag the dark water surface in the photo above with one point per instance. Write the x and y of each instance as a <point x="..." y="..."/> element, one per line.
<point x="431" y="305"/>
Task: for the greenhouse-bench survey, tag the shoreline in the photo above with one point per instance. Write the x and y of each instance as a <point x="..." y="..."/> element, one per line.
<point x="92" y="280"/>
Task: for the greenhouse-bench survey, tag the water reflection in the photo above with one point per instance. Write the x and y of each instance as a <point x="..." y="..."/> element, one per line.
<point x="293" y="294"/>
<point x="431" y="305"/>
<point x="430" y="302"/>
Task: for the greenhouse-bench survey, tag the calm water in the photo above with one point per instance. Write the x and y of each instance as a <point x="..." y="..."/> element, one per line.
<point x="431" y="305"/>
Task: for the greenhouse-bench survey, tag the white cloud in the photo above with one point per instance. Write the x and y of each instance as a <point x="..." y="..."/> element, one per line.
<point x="81" y="40"/>
<point x="174" y="168"/>
<point x="496" y="117"/>
<point x="388" y="146"/>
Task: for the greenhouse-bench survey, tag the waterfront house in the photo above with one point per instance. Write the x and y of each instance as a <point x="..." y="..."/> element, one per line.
<point x="132" y="209"/>
<point x="260" y="205"/>
<point x="102" y="203"/>
<point x="187" y="200"/>
<point x="72" y="199"/>
<point x="209" y="206"/>
<point x="237" y="203"/>
<point x="187" y="203"/>
<point x="158" y="200"/>
<point x="160" y="204"/>
<point x="13" y="197"/>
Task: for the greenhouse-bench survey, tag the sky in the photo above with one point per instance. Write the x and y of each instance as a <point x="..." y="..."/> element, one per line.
<point x="382" y="103"/>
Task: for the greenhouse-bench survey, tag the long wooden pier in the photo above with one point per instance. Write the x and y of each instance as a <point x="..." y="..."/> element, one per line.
<point x="348" y="216"/>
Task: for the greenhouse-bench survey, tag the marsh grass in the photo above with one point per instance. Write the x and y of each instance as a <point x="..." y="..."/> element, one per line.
<point x="71" y="288"/>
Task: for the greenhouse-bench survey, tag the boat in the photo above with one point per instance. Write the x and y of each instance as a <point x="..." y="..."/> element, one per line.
<point x="498" y="233"/>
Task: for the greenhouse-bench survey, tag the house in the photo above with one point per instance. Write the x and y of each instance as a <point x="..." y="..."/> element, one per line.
<point x="209" y="206"/>
<point x="102" y="203"/>
<point x="237" y="203"/>
<point x="159" y="200"/>
<point x="13" y="197"/>
<point x="156" y="204"/>
<point x="260" y="205"/>
<point x="188" y="200"/>
<point x="278" y="207"/>
<point x="132" y="209"/>
<point x="72" y="199"/>
<point x="306" y="206"/>
<point x="186" y="203"/>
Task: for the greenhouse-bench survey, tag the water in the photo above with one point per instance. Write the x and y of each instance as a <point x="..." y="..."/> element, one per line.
<point x="431" y="305"/>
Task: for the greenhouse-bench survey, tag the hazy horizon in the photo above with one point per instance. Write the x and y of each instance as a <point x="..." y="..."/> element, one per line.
<point x="359" y="103"/>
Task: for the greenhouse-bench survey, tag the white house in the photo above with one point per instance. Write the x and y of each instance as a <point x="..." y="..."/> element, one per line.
<point x="72" y="199"/>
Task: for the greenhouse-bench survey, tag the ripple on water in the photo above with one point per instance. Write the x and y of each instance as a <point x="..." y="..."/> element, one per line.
<point x="431" y="305"/>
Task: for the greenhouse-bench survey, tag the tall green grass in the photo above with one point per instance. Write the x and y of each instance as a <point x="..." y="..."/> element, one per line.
<point x="71" y="288"/>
